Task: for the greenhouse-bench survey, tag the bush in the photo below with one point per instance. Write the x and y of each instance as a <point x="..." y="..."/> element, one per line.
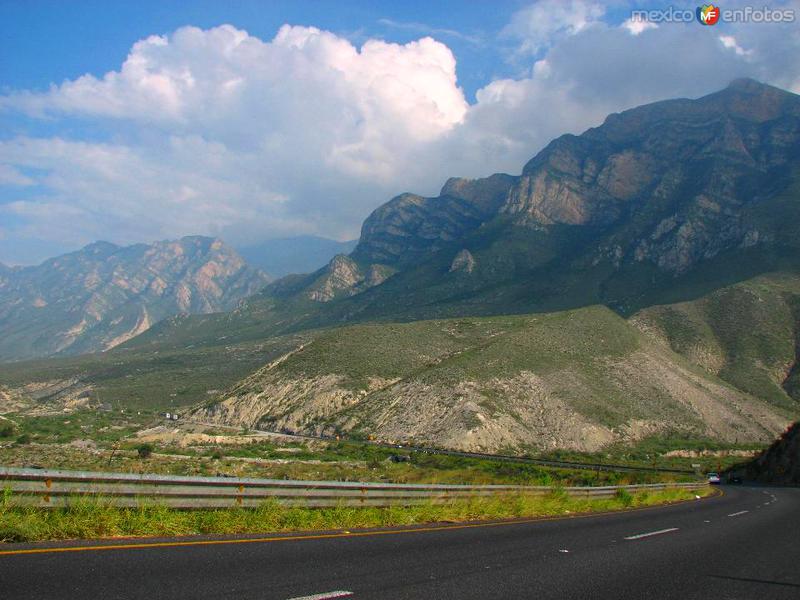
<point x="145" y="451"/>
<point x="624" y="496"/>
<point x="7" y="430"/>
<point x="24" y="439"/>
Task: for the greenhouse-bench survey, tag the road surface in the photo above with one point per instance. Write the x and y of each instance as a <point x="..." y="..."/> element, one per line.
<point x="743" y="544"/>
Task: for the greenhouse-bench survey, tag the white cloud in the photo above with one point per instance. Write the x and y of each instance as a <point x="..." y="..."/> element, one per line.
<point x="730" y="42"/>
<point x="636" y="26"/>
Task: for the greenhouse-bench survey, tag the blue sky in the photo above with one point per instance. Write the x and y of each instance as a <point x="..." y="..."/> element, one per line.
<point x="98" y="35"/>
<point x="250" y="120"/>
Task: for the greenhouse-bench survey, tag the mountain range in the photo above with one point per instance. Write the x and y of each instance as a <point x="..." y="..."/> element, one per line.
<point x="639" y="279"/>
<point x="102" y="295"/>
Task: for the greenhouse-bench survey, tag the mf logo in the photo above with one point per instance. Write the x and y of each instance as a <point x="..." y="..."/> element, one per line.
<point x="708" y="14"/>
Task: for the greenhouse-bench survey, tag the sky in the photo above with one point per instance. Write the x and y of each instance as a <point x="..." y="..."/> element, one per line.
<point x="251" y="120"/>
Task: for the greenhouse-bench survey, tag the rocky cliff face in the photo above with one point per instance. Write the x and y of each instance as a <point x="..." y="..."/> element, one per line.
<point x="672" y="178"/>
<point x="463" y="262"/>
<point x="103" y="295"/>
<point x="409" y="228"/>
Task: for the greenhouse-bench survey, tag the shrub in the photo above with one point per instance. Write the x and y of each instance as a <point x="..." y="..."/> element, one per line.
<point x="145" y="451"/>
<point x="625" y="497"/>
<point x="25" y="438"/>
<point x="7" y="430"/>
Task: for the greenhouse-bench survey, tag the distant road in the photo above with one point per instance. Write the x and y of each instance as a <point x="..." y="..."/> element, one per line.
<point x="545" y="462"/>
<point x="744" y="544"/>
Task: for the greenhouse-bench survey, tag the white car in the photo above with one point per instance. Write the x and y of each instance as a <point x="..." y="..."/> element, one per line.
<point x="713" y="478"/>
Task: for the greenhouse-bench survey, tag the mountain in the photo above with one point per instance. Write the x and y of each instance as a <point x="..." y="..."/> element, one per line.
<point x="779" y="464"/>
<point x="301" y="254"/>
<point x="640" y="279"/>
<point x="103" y="294"/>
<point x="681" y="217"/>
<point x="660" y="203"/>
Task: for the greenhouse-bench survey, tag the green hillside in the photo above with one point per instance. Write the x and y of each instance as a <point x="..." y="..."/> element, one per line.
<point x="581" y="379"/>
<point x="745" y="333"/>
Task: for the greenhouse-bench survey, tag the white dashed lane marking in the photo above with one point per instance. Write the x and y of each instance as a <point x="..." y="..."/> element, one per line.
<point x="325" y="596"/>
<point x="736" y="514"/>
<point x="639" y="536"/>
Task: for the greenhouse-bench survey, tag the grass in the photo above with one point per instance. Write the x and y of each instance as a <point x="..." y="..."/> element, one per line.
<point x="88" y="518"/>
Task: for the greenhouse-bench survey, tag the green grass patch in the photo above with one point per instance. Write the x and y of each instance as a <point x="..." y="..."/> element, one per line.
<point x="91" y="518"/>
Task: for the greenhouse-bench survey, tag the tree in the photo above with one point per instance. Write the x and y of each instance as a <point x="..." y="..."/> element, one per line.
<point x="145" y="451"/>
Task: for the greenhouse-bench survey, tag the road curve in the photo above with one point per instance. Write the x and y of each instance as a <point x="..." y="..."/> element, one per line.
<point x="744" y="544"/>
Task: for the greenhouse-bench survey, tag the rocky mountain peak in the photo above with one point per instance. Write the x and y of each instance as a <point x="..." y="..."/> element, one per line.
<point x="486" y="194"/>
<point x="341" y="277"/>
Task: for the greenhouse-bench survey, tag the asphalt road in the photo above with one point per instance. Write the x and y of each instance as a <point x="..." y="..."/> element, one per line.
<point x="744" y="544"/>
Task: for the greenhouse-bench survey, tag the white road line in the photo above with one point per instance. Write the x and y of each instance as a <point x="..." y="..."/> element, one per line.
<point x="651" y="533"/>
<point x="325" y="596"/>
<point x="736" y="514"/>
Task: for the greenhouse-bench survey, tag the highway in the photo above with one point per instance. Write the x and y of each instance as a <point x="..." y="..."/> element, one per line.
<point x="743" y="544"/>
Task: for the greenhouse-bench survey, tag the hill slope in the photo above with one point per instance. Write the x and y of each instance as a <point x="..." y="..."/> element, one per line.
<point x="579" y="379"/>
<point x="778" y="464"/>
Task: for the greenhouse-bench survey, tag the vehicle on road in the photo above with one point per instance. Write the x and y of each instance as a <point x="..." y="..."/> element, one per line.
<point x="713" y="478"/>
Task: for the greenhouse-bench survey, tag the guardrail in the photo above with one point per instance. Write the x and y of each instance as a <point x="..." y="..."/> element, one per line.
<point x="50" y="488"/>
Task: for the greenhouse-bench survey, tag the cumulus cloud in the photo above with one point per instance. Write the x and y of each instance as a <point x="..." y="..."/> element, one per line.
<point x="219" y="132"/>
<point x="233" y="133"/>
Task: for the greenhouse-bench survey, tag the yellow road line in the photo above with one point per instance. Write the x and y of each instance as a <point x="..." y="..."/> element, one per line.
<point x="325" y="536"/>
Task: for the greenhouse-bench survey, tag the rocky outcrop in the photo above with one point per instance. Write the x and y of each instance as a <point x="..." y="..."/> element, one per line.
<point x="463" y="262"/>
<point x="343" y="277"/>
<point x="102" y="295"/>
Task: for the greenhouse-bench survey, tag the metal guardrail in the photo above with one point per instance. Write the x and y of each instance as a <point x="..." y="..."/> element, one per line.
<point x="51" y="488"/>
